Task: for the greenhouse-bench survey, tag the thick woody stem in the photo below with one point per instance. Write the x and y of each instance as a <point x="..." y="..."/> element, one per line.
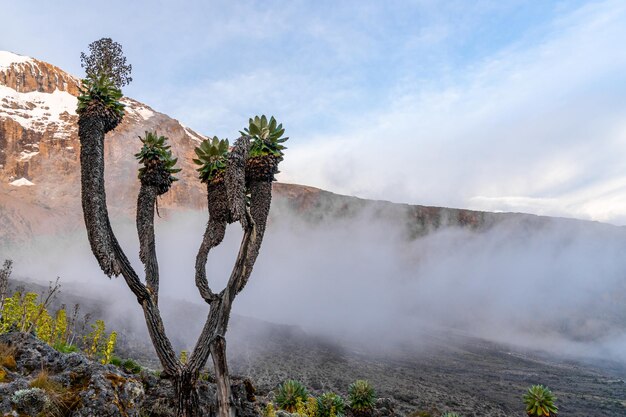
<point x="260" y="201"/>
<point x="213" y="236"/>
<point x="92" y="127"/>
<point x="146" y="202"/>
<point x="235" y="196"/>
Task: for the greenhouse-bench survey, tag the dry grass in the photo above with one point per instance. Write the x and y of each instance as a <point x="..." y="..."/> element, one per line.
<point x="43" y="381"/>
<point x="7" y="357"/>
<point x="63" y="400"/>
<point x="115" y="380"/>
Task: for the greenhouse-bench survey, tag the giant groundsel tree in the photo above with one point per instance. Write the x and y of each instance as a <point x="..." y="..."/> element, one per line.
<point x="239" y="189"/>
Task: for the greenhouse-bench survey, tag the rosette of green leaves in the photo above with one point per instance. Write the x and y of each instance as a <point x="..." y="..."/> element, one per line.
<point x="212" y="157"/>
<point x="288" y="394"/>
<point x="361" y="395"/>
<point x="330" y="403"/>
<point x="156" y="153"/>
<point x="539" y="401"/>
<point x="100" y="88"/>
<point x="266" y="136"/>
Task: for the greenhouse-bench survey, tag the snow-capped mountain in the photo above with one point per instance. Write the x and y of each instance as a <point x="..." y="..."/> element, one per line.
<point x="39" y="149"/>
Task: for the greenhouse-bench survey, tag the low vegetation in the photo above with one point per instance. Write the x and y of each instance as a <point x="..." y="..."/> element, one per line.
<point x="539" y="401"/>
<point x="30" y="313"/>
<point x="289" y="393"/>
<point x="361" y="396"/>
<point x="293" y="397"/>
<point x="330" y="404"/>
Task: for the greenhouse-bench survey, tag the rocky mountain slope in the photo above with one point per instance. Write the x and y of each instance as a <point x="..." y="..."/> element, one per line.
<point x="39" y="149"/>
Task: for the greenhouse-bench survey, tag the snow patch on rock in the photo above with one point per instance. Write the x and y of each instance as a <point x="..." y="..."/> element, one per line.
<point x="36" y="110"/>
<point x="26" y="156"/>
<point x="135" y="108"/>
<point x="145" y="113"/>
<point x="21" y="182"/>
<point x="8" y="58"/>
<point x="193" y="135"/>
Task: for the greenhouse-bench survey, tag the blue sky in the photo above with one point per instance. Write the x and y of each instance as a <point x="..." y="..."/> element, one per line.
<point x="495" y="105"/>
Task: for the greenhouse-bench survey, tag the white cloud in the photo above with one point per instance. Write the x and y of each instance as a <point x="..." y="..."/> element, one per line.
<point x="406" y="102"/>
<point x="538" y="128"/>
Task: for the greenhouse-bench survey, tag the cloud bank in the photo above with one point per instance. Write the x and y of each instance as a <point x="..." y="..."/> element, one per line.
<point x="555" y="285"/>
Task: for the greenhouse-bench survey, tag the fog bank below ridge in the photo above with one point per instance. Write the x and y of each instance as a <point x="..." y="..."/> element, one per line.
<point x="556" y="284"/>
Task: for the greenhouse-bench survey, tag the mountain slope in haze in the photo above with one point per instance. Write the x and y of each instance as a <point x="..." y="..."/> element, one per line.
<point x="39" y="163"/>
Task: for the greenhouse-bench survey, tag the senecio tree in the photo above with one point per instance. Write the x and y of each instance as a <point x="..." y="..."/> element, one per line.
<point x="239" y="189"/>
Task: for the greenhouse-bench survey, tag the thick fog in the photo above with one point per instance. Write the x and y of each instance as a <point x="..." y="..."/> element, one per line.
<point x="558" y="286"/>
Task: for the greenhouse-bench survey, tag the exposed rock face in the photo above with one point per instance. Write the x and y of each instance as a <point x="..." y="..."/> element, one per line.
<point x="39" y="145"/>
<point x="83" y="388"/>
<point x="25" y="75"/>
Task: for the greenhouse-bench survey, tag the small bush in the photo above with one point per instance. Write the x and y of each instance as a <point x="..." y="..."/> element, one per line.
<point x="269" y="410"/>
<point x="30" y="401"/>
<point x="131" y="366"/>
<point x="128" y="365"/>
<point x="539" y="401"/>
<point x="361" y="396"/>
<point x="449" y="414"/>
<point x="311" y="407"/>
<point x="65" y="348"/>
<point x="107" y="350"/>
<point x="330" y="404"/>
<point x="289" y="393"/>
<point x="116" y="360"/>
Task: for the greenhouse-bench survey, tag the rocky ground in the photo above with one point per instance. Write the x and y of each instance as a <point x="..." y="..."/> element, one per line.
<point x="445" y="371"/>
<point x="39" y="381"/>
<point x="469" y="376"/>
<point x="36" y="380"/>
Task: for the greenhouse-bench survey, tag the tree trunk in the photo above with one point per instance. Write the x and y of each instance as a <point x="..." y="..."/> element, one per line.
<point x="145" y="229"/>
<point x="93" y="124"/>
<point x="224" y="395"/>
<point x="187" y="401"/>
<point x="261" y="199"/>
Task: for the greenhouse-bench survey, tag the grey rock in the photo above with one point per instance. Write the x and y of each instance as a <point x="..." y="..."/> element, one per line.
<point x="100" y="390"/>
<point x="384" y="407"/>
